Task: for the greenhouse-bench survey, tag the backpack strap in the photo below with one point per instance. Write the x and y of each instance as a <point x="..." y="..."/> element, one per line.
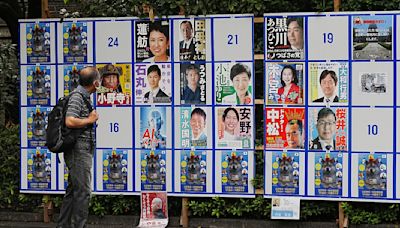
<point x="88" y="104"/>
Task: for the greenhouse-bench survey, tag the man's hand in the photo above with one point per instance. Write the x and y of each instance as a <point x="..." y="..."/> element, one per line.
<point x="93" y="116"/>
<point x="73" y="122"/>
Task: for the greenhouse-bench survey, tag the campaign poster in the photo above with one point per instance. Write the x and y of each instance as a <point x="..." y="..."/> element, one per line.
<point x="329" y="82"/>
<point x="372" y="175"/>
<point x="234" y="171"/>
<point x="193" y="83"/>
<point x="195" y="124"/>
<point x="152" y="41"/>
<point x="284" y="38"/>
<point x="328" y="177"/>
<point x="38" y="85"/>
<point x="37" y="123"/>
<point x="153" y="130"/>
<point x="285" y="83"/>
<point x="154" y="209"/>
<point x="284" y="128"/>
<point x="193" y="168"/>
<point x="71" y="77"/>
<point x="39" y="169"/>
<point x="153" y="170"/>
<point x="65" y="175"/>
<point x="115" y="170"/>
<point x="153" y="83"/>
<point x="75" y="42"/>
<point x="372" y="37"/>
<point x="373" y="83"/>
<point x="115" y="86"/>
<point x="285" y="173"/>
<point x="192" y="39"/>
<point x="330" y="131"/>
<point x="234" y="127"/>
<point x="38" y="42"/>
<point x="233" y="83"/>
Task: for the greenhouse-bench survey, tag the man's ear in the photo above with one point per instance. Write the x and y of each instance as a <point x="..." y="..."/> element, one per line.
<point x="96" y="83"/>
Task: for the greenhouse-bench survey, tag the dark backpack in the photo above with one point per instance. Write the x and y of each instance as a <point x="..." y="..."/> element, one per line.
<point x="60" y="138"/>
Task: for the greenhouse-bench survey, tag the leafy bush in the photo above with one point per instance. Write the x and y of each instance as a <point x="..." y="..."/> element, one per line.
<point x="257" y="208"/>
<point x="9" y="85"/>
<point x="9" y="166"/>
<point x="10" y="198"/>
<point x="371" y="213"/>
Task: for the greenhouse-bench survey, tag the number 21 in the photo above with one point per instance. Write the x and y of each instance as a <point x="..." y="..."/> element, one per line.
<point x="233" y="39"/>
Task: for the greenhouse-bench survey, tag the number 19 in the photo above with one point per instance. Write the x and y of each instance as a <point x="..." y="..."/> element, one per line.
<point x="328" y="38"/>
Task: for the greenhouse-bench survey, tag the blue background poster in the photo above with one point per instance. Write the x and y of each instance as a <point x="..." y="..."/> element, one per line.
<point x="234" y="171"/>
<point x="36" y="126"/>
<point x="75" y="42"/>
<point x="153" y="127"/>
<point x="38" y="42"/>
<point x="153" y="169"/>
<point x="328" y="176"/>
<point x="38" y="85"/>
<point x="372" y="175"/>
<point x="115" y="170"/>
<point x="285" y="173"/>
<point x="38" y="170"/>
<point x="71" y="78"/>
<point x="193" y="171"/>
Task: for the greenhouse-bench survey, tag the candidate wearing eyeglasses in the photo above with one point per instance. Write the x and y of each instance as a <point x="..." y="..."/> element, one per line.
<point x="326" y="127"/>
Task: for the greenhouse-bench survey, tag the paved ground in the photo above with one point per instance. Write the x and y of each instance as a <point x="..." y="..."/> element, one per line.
<point x="373" y="51"/>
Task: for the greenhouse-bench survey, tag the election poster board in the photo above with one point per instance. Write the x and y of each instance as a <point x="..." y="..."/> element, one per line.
<point x="164" y="87"/>
<point x="331" y="106"/>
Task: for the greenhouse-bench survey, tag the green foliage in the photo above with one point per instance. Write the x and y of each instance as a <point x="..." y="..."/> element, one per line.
<point x="371" y="213"/>
<point x="114" y="205"/>
<point x="9" y="166"/>
<point x="118" y="8"/>
<point x="9" y="84"/>
<point x="257" y="208"/>
<point x="318" y="210"/>
<point x="10" y="198"/>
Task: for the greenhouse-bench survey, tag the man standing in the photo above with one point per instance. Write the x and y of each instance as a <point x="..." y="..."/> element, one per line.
<point x="74" y="210"/>
<point x="328" y="81"/>
<point x="155" y="95"/>
<point x="326" y="127"/>
<point x="294" y="134"/>
<point x="186" y="46"/>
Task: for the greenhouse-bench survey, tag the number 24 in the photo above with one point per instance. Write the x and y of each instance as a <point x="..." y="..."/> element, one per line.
<point x="112" y="42"/>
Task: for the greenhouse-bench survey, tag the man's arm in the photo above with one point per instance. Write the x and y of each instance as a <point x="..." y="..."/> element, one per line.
<point x="74" y="122"/>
